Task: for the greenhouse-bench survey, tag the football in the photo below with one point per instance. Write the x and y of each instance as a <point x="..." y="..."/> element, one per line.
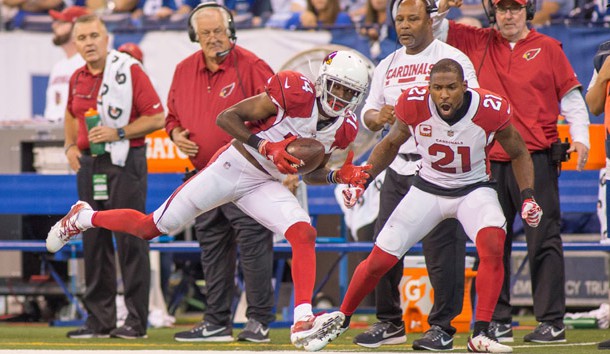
<point x="309" y="150"/>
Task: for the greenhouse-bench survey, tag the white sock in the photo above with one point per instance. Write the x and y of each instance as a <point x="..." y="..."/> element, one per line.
<point x="84" y="218"/>
<point x="301" y="311"/>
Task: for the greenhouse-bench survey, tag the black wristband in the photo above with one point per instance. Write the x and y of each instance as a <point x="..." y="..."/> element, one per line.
<point x="254" y="141"/>
<point x="527" y="193"/>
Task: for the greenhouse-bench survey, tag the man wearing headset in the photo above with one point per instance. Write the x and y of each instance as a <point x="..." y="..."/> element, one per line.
<point x="204" y="84"/>
<point x="532" y="71"/>
<point x="418" y="50"/>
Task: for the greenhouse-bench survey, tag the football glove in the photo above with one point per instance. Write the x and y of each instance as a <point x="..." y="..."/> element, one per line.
<point x="531" y="212"/>
<point x="277" y="153"/>
<point x="351" y="195"/>
<point x="351" y="174"/>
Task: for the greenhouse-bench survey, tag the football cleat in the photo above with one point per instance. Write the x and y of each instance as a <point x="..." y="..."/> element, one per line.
<point x="486" y="343"/>
<point x="381" y="333"/>
<point x="502" y="331"/>
<point x="546" y="333"/>
<point x="66" y="228"/>
<point x="314" y="332"/>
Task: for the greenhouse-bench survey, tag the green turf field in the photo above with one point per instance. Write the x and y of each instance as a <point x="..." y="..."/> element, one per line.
<point x="41" y="336"/>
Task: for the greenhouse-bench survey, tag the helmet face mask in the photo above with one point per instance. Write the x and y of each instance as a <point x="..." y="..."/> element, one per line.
<point x="342" y="82"/>
<point x="338" y="96"/>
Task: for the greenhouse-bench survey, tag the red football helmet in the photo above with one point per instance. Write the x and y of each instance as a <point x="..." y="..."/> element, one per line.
<point x="133" y="50"/>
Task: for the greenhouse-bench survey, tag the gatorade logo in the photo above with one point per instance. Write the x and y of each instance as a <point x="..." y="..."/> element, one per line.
<point x="414" y="290"/>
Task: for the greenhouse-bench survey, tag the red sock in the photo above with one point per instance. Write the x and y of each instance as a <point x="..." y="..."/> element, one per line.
<point x="128" y="221"/>
<point x="302" y="238"/>
<point x="365" y="278"/>
<point x="490" y="246"/>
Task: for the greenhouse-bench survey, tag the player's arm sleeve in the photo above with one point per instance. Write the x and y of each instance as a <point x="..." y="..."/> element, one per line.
<point x="292" y="92"/>
<point x="574" y="109"/>
<point x="348" y="132"/>
<point x="403" y="108"/>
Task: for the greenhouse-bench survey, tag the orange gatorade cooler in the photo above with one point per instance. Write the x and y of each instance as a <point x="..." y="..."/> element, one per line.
<point x="417" y="296"/>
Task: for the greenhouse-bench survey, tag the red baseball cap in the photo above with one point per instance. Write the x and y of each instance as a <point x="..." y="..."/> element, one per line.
<point x="69" y="14"/>
<point x="133" y="50"/>
<point x="522" y="2"/>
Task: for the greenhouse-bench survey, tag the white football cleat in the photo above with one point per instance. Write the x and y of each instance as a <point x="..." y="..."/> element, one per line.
<point x="315" y="332"/>
<point x="66" y="228"/>
<point x="484" y="343"/>
<point x="319" y="342"/>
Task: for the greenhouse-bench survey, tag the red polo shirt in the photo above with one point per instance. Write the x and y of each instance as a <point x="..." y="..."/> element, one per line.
<point x="534" y="76"/>
<point x="198" y="95"/>
<point x="82" y="95"/>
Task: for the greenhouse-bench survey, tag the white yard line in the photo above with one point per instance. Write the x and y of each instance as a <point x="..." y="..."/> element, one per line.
<point x="149" y="350"/>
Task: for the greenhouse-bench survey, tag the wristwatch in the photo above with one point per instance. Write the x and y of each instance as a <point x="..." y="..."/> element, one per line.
<point x="121" y="133"/>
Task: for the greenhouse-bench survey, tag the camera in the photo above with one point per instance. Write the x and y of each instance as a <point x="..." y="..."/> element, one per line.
<point x="559" y="151"/>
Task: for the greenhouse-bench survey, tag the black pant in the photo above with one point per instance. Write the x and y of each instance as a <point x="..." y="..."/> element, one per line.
<point x="219" y="232"/>
<point x="126" y="189"/>
<point x="444" y="250"/>
<point x="544" y="247"/>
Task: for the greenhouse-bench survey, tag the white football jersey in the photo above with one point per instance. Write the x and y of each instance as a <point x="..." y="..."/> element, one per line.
<point x="295" y="96"/>
<point x="453" y="156"/>
<point x="400" y="71"/>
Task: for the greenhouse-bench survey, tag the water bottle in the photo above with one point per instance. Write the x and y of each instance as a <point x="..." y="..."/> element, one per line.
<point x="578" y="323"/>
<point x="92" y="119"/>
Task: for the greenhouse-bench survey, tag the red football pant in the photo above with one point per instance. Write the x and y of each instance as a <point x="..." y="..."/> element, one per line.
<point x="128" y="221"/>
<point x="302" y="238"/>
<point x="490" y="275"/>
<point x="365" y="279"/>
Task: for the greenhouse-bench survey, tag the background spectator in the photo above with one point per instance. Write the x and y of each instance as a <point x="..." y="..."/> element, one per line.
<point x="14" y="12"/>
<point x="59" y="80"/>
<point x="548" y="10"/>
<point x="320" y="13"/>
<point x="283" y="11"/>
<point x="34" y="6"/>
<point x="472" y="9"/>
<point x="377" y="27"/>
<point x="158" y="9"/>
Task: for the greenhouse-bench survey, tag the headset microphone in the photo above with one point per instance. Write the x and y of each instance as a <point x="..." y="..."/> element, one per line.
<point x="224" y="53"/>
